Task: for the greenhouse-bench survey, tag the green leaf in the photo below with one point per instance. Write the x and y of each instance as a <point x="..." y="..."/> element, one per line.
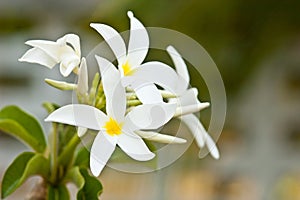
<point x="25" y="165"/>
<point x="58" y="193"/>
<point x="92" y="187"/>
<point x="23" y="126"/>
<point x="82" y="158"/>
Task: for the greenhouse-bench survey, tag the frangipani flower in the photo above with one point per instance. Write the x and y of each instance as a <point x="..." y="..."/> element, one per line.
<point x="140" y="77"/>
<point x="66" y="51"/>
<point x="187" y="98"/>
<point x="115" y="128"/>
<point x="149" y="135"/>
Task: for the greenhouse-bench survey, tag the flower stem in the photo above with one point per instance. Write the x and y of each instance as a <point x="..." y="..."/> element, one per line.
<point x="54" y="150"/>
<point x="67" y="154"/>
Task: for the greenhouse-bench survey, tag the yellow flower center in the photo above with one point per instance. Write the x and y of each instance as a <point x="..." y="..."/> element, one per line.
<point x="126" y="69"/>
<point x="113" y="127"/>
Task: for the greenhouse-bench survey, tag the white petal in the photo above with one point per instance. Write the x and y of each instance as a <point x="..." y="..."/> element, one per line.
<point x="114" y="91"/>
<point x="200" y="134"/>
<point x="135" y="147"/>
<point x="147" y="93"/>
<point x="211" y="146"/>
<point x="196" y="128"/>
<point x="180" y="65"/>
<point x="162" y="138"/>
<point x="102" y="149"/>
<point x="138" y="42"/>
<point x="149" y="116"/>
<point x="82" y="86"/>
<point x="36" y="55"/>
<point x="114" y="40"/>
<point x="53" y="49"/>
<point x="68" y="63"/>
<point x="74" y="40"/>
<point x="79" y="115"/>
<point x="155" y="72"/>
<point x="190" y="109"/>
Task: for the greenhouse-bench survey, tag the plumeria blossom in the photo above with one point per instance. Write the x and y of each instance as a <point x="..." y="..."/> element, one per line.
<point x="189" y="98"/>
<point x="115" y="128"/>
<point x="65" y="50"/>
<point x="140" y="77"/>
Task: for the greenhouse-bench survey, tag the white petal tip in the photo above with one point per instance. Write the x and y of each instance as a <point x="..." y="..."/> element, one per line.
<point x="95" y="173"/>
<point x="215" y="155"/>
<point x="170" y="48"/>
<point x="213" y="152"/>
<point x="179" y="141"/>
<point x="144" y="157"/>
<point x="130" y="14"/>
<point x="204" y="105"/>
<point x="94" y="25"/>
<point x="47" y="120"/>
<point x="149" y="156"/>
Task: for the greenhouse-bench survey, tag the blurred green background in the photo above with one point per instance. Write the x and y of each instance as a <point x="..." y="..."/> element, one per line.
<point x="256" y="46"/>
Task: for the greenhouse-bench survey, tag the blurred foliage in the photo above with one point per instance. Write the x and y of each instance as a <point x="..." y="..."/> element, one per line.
<point x="238" y="35"/>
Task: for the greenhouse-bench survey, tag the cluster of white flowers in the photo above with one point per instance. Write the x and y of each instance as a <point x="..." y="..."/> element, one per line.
<point x="126" y="105"/>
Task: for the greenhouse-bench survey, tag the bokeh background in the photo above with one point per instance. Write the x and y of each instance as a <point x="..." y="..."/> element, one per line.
<point x="256" y="46"/>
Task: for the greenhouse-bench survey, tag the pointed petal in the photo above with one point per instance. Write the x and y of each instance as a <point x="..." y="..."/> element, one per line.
<point x="200" y="134"/>
<point x="114" y="91"/>
<point x="196" y="128"/>
<point x="147" y="93"/>
<point x="155" y="72"/>
<point x="138" y="42"/>
<point x="82" y="86"/>
<point x="114" y="40"/>
<point x="190" y="109"/>
<point x="149" y="116"/>
<point x="134" y="146"/>
<point x="79" y="115"/>
<point x="51" y="48"/>
<point x="180" y="66"/>
<point x="211" y="146"/>
<point x="162" y="138"/>
<point x="36" y="55"/>
<point x="102" y="149"/>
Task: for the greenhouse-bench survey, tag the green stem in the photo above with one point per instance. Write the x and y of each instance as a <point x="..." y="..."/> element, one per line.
<point x="54" y="150"/>
<point x="67" y="154"/>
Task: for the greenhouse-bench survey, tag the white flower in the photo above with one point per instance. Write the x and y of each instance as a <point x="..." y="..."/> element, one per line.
<point x="66" y="51"/>
<point x="115" y="128"/>
<point x="149" y="135"/>
<point x="189" y="99"/>
<point x="140" y="77"/>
